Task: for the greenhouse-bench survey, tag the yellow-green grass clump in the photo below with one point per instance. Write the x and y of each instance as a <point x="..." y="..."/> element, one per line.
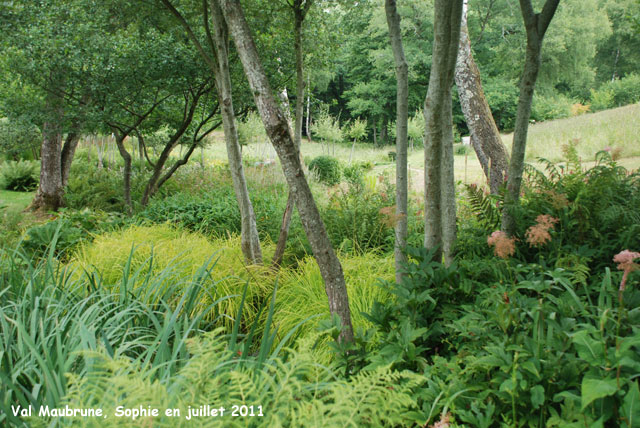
<point x="301" y="294"/>
<point x="161" y="261"/>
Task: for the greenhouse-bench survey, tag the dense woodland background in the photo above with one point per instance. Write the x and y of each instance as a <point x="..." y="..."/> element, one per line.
<point x="332" y="213"/>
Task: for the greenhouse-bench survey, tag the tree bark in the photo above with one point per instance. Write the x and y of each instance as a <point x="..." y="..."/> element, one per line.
<point x="440" y="208"/>
<point x="402" y="101"/>
<point x="536" y="25"/>
<point x="49" y="196"/>
<point x="485" y="137"/>
<point x="300" y="9"/>
<point x="66" y="156"/>
<point x="249" y="238"/>
<point x="278" y="131"/>
<point x="126" y="176"/>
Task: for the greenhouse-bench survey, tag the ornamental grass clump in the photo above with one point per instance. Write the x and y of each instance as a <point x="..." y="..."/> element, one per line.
<point x="143" y="252"/>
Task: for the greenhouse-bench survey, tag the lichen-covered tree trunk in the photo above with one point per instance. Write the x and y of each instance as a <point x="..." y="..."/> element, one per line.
<point x="485" y="137"/>
<point x="278" y="131"/>
<point x="536" y="25"/>
<point x="250" y="240"/>
<point x="440" y="203"/>
<point x="402" y="117"/>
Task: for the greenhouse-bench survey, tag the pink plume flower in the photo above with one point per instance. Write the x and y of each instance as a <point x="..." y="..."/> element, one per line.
<point x="503" y="246"/>
<point x="625" y="263"/>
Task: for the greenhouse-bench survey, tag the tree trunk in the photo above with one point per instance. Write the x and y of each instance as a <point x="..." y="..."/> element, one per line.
<point x="402" y="77"/>
<point x="49" y="196"/>
<point x="126" y="177"/>
<point x="250" y="240"/>
<point x="485" y="137"/>
<point x="300" y="12"/>
<point x="536" y="25"/>
<point x="440" y="208"/>
<point x="277" y="129"/>
<point x="66" y="156"/>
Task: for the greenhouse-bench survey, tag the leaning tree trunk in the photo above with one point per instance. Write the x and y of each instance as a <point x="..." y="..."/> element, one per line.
<point x="536" y="25"/>
<point x="66" y="156"/>
<point x="49" y="196"/>
<point x="300" y="12"/>
<point x="278" y="131"/>
<point x="440" y="203"/>
<point x="402" y="77"/>
<point x="485" y="136"/>
<point x="250" y="240"/>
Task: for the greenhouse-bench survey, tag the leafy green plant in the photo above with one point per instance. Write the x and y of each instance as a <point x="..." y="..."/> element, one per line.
<point x="19" y="176"/>
<point x="295" y="391"/>
<point x="50" y="316"/>
<point x="19" y="138"/>
<point x="326" y="169"/>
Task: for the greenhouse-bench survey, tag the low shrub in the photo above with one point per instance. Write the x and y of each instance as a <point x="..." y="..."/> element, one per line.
<point x="20" y="176"/>
<point x="145" y="251"/>
<point x="551" y="106"/>
<point x="326" y="169"/>
<point x="617" y="93"/>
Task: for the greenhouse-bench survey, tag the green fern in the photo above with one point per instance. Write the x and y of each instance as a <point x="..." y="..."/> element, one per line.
<point x="293" y="392"/>
<point x="486" y="207"/>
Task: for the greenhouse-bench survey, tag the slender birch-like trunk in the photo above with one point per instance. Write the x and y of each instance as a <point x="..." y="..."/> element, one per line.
<point x="440" y="203"/>
<point x="278" y="131"/>
<point x="402" y="101"/>
<point x="536" y="25"/>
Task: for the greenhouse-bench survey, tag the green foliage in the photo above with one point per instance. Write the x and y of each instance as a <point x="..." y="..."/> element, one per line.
<point x="524" y="345"/>
<point x="295" y="391"/>
<point x="51" y="316"/>
<point x="18" y="137"/>
<point x="357" y="130"/>
<point x="597" y="209"/>
<point x="327" y="129"/>
<point x="617" y="93"/>
<point x="19" y="176"/>
<point x="553" y="106"/>
<point x="251" y="130"/>
<point x="212" y="209"/>
<point x="301" y="294"/>
<point x="148" y="250"/>
<point x="326" y="169"/>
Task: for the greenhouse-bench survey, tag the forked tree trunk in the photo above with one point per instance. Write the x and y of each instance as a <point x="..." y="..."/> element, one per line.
<point x="402" y="77"/>
<point x="440" y="203"/>
<point x="250" y="240"/>
<point x="278" y="131"/>
<point x="485" y="137"/>
<point x="536" y="25"/>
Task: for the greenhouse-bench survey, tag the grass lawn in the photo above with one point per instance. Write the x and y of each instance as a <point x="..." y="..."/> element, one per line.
<point x="15" y="200"/>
